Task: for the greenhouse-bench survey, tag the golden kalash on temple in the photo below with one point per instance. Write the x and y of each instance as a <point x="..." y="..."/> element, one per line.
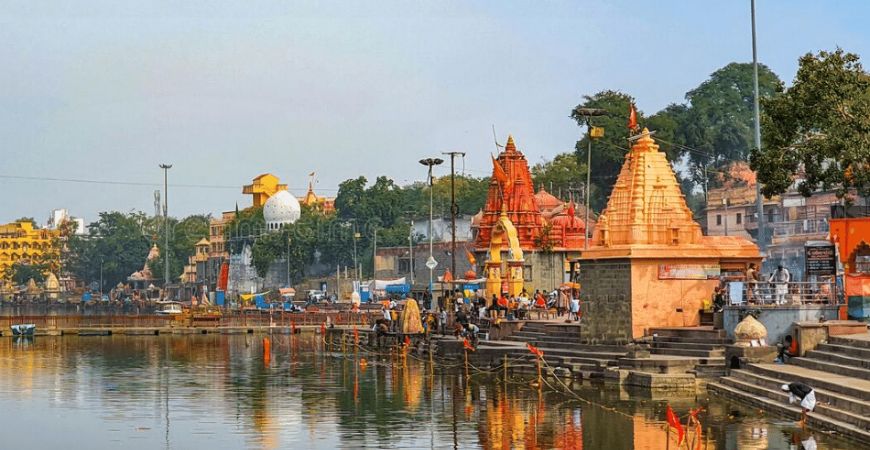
<point x="648" y="264"/>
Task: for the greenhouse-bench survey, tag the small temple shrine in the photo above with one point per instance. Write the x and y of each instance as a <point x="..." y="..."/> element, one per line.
<point x="648" y="264"/>
<point x="540" y="232"/>
<point x="850" y="235"/>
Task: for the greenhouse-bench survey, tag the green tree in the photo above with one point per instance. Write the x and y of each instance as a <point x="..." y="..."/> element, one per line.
<point x="562" y="174"/>
<point x="22" y="272"/>
<point x="820" y="126"/>
<point x="116" y="240"/>
<point x="716" y="126"/>
<point x="182" y="237"/>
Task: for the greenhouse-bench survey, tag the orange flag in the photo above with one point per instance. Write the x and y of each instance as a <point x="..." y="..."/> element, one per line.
<point x="632" y="117"/>
<point x="407" y="341"/>
<point x="467" y="345"/>
<point x="535" y="350"/>
<point x="470" y="256"/>
<point x="674" y="422"/>
<point x="498" y="172"/>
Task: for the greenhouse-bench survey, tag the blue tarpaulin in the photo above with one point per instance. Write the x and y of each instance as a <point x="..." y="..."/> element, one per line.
<point x="260" y="301"/>
<point x="397" y="288"/>
<point x="219" y="298"/>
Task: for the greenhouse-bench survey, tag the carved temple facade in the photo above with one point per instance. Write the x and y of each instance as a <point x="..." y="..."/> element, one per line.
<point x="649" y="265"/>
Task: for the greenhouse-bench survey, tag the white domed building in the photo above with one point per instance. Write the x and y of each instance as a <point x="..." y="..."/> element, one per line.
<point x="280" y="209"/>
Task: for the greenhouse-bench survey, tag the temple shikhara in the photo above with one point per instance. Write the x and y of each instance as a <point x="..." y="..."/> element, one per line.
<point x="539" y="231"/>
<point x="649" y="265"/>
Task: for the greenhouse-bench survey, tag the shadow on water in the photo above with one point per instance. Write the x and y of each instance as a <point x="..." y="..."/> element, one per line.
<point x="184" y="392"/>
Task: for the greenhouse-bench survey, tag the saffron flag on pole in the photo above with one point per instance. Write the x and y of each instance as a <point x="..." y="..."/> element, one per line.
<point x="535" y="350"/>
<point x="674" y="422"/>
<point x="632" y="117"/>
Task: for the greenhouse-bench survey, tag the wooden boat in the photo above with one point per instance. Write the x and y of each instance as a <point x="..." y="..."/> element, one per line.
<point x="169" y="308"/>
<point x="23" y="329"/>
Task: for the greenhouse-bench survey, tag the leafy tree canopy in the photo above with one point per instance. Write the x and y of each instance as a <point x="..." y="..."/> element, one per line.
<point x="820" y="126"/>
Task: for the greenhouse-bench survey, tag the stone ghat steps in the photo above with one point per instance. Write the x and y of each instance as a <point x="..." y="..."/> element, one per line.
<point x="831" y="399"/>
<point x="686" y="345"/>
<point x="831" y="367"/>
<point x="841" y="340"/>
<point x="816" y="421"/>
<point x="845" y="350"/>
<point x="688" y="332"/>
<point x="839" y="384"/>
<point x="836" y="357"/>
<point x="688" y="352"/>
<point x="693" y="340"/>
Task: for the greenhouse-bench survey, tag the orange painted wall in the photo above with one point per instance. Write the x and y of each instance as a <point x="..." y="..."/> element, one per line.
<point x="848" y="234"/>
<point x="654" y="302"/>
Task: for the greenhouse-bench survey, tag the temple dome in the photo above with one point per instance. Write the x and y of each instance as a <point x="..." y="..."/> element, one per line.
<point x="547" y="201"/>
<point x="280" y="209"/>
<point x="568" y="220"/>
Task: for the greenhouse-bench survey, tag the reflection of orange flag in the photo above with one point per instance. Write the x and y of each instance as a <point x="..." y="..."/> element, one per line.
<point x="632" y="117"/>
<point x="674" y="422"/>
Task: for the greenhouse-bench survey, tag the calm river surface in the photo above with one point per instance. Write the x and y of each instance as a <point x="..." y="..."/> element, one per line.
<point x="218" y="392"/>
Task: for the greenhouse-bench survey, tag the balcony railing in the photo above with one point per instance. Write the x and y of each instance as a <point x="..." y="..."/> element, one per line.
<point x="800" y="227"/>
<point x="778" y="294"/>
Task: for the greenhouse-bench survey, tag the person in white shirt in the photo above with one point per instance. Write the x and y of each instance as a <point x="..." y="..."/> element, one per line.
<point x="780" y="279"/>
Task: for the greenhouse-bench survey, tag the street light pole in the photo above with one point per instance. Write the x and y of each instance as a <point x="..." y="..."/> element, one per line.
<point x="759" y="201"/>
<point x="586" y="114"/>
<point x="431" y="263"/>
<point x="454" y="209"/>
<point x="165" y="168"/>
<point x="288" y="261"/>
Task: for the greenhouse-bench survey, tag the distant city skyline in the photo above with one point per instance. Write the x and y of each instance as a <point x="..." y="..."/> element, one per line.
<point x="225" y="91"/>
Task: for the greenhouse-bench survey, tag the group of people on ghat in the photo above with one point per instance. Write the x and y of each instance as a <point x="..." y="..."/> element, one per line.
<point x="777" y="288"/>
<point x="464" y="315"/>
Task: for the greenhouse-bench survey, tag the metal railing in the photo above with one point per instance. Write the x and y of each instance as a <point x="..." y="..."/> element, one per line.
<point x="779" y="294"/>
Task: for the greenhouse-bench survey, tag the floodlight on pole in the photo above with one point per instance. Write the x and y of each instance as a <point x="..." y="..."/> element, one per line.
<point x="165" y="168"/>
<point x="587" y="114"/>
<point x="430" y="263"/>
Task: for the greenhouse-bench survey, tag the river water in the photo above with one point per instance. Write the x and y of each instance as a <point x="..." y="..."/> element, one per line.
<point x="220" y="392"/>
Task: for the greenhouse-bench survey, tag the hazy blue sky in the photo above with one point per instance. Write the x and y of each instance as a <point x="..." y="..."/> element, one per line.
<point x="226" y="90"/>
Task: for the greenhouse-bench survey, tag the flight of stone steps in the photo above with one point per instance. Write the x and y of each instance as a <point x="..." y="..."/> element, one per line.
<point x="839" y="371"/>
<point x="704" y="343"/>
<point x="563" y="349"/>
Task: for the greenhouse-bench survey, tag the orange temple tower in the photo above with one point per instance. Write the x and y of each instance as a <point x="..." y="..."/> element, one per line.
<point x="649" y="264"/>
<point x="511" y="191"/>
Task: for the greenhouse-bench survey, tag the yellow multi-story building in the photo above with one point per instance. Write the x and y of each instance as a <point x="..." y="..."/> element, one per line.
<point x="22" y="242"/>
<point x="263" y="187"/>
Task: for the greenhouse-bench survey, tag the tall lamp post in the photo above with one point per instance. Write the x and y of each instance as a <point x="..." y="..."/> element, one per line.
<point x="431" y="263"/>
<point x="454" y="210"/>
<point x="759" y="201"/>
<point x="165" y="168"/>
<point x="586" y="114"/>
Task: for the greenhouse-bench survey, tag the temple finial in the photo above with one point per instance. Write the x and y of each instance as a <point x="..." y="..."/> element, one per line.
<point x="510" y="147"/>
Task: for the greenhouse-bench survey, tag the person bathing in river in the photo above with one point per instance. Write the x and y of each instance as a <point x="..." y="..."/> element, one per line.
<point x="800" y="392"/>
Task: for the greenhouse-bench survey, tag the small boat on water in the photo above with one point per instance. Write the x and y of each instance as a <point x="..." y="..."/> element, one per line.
<point x="23" y="329"/>
<point x="169" y="308"/>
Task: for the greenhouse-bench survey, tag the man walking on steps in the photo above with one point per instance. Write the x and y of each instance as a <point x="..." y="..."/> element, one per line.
<point x="800" y="392"/>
